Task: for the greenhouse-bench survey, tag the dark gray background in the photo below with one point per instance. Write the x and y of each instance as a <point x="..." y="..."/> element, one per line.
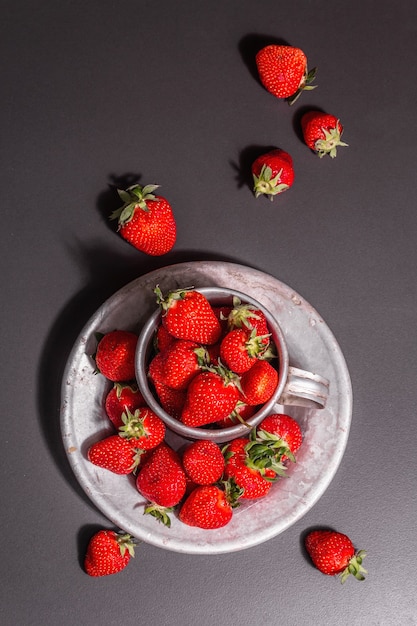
<point x="96" y="90"/>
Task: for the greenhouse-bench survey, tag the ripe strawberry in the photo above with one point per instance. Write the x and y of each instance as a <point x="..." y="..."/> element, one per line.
<point x="181" y="362"/>
<point x="283" y="433"/>
<point x="206" y="507"/>
<point x="162" y="338"/>
<point x="162" y="481"/>
<point x="333" y="553"/>
<point x="254" y="482"/>
<point x="115" y="355"/>
<point x="146" y="220"/>
<point x="283" y="71"/>
<point x="322" y="133"/>
<point x="240" y="349"/>
<point x="187" y="314"/>
<point x="244" y="315"/>
<point x="143" y="429"/>
<point x="108" y="553"/>
<point x="211" y="396"/>
<point x="121" y="397"/>
<point x="272" y="173"/>
<point x="203" y="462"/>
<point x="171" y="400"/>
<point x="239" y="415"/>
<point x="114" y="454"/>
<point x="259" y="383"/>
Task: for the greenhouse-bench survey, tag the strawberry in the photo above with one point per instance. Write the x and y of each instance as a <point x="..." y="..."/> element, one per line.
<point x="182" y="360"/>
<point x="254" y="482"/>
<point x="115" y="355"/>
<point x="162" y="481"/>
<point x="239" y="415"/>
<point x="322" y="133"/>
<point x="122" y="396"/>
<point x="203" y="462"/>
<point x="187" y="314"/>
<point x="272" y="173"/>
<point x="244" y="315"/>
<point x="146" y="220"/>
<point x="162" y="338"/>
<point x="143" y="429"/>
<point x="208" y="507"/>
<point x="240" y="349"/>
<point x="108" y="553"/>
<point x="283" y="432"/>
<point x="211" y="396"/>
<point x="115" y="454"/>
<point x="333" y="553"/>
<point x="259" y="383"/>
<point x="171" y="400"/>
<point x="283" y="71"/>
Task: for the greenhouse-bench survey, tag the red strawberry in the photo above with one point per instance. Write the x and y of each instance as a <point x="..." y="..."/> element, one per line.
<point x="203" y="462"/>
<point x="259" y="383"/>
<point x="187" y="314"/>
<point x="206" y="507"/>
<point x="114" y="454"/>
<point x="115" y="355"/>
<point x="181" y="362"/>
<point x="283" y="71"/>
<point x="121" y="397"/>
<point x="171" y="400"/>
<point x="244" y="315"/>
<point x="286" y="434"/>
<point x="143" y="429"/>
<point x="240" y="349"/>
<point x="322" y="133"/>
<point x="239" y="415"/>
<point x="333" y="553"/>
<point x="108" y="553"/>
<point x="211" y="396"/>
<point x="146" y="220"/>
<point x="254" y="482"/>
<point x="162" y="481"/>
<point x="272" y="173"/>
<point x="162" y="338"/>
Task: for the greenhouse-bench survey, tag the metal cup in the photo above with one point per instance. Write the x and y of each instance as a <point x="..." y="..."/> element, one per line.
<point x="295" y="386"/>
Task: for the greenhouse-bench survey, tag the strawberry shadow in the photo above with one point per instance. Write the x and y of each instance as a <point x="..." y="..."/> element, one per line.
<point x="108" y="200"/>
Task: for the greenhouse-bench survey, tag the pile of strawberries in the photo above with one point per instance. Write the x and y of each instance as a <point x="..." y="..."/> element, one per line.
<point x="213" y="363"/>
<point x="203" y="481"/>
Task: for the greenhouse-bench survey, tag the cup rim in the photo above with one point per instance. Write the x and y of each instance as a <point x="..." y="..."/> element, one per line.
<point x="145" y="342"/>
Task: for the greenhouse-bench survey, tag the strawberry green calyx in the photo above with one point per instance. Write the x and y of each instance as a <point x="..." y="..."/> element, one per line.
<point x="134" y="197"/>
<point x="232" y="491"/>
<point x="133" y="427"/>
<point x="305" y="85"/>
<point x="242" y="313"/>
<point x="165" y="302"/>
<point x="125" y="542"/>
<point x="160" y="513"/>
<point x="266" y="451"/>
<point x="328" y="145"/>
<point x="354" y="567"/>
<point x="265" y="184"/>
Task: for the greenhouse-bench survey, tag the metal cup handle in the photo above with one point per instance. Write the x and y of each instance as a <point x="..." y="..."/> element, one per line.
<point x="304" y="389"/>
